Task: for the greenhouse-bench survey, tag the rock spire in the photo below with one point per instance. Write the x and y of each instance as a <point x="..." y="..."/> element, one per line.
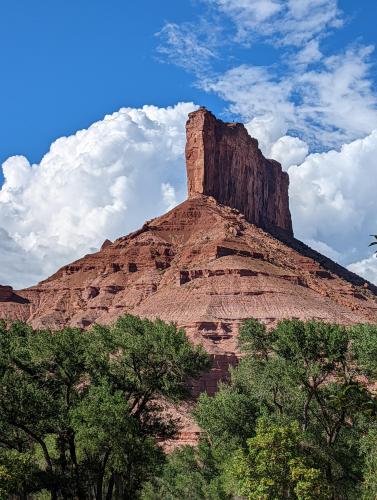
<point x="223" y="161"/>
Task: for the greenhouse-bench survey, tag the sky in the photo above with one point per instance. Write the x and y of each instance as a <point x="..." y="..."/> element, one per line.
<point x="94" y="96"/>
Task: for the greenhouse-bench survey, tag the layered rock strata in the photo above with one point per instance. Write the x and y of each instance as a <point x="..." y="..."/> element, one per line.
<point x="6" y="293"/>
<point x="205" y="267"/>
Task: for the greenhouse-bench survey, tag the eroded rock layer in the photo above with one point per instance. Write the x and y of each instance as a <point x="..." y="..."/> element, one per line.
<point x="205" y="267"/>
<point x="6" y="293"/>
<point x="223" y="161"/>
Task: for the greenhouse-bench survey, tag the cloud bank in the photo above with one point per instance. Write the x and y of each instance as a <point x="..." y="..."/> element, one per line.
<point x="334" y="204"/>
<point x="100" y="183"/>
<point x="281" y="22"/>
<point x="105" y="181"/>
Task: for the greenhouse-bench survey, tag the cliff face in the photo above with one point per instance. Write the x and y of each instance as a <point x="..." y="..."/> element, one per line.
<point x="223" y="161"/>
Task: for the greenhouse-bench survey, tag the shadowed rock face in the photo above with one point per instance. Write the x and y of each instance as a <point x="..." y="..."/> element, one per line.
<point x="6" y="293"/>
<point x="223" y="161"/>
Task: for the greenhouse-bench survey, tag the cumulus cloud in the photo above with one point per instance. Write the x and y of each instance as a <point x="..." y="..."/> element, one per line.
<point x="308" y="100"/>
<point x="107" y="180"/>
<point x="289" y="151"/>
<point x="366" y="268"/>
<point x="334" y="203"/>
<point x="100" y="183"/>
<point x="17" y="265"/>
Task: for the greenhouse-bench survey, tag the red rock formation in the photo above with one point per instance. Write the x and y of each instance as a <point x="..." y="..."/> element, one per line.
<point x="223" y="161"/>
<point x="203" y="265"/>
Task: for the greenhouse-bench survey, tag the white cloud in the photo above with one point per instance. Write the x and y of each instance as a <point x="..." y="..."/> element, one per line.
<point x="289" y="151"/>
<point x="99" y="183"/>
<point x="281" y="22"/>
<point x="255" y="93"/>
<point x="190" y="47"/>
<point x="270" y="131"/>
<point x="333" y="199"/>
<point x="334" y="104"/>
<point x="247" y="14"/>
<point x="324" y="249"/>
<point x="309" y="54"/>
<point x="306" y="100"/>
<point x="17" y="265"/>
<point x="338" y="102"/>
<point x="168" y="195"/>
<point x="107" y="180"/>
<point x="366" y="268"/>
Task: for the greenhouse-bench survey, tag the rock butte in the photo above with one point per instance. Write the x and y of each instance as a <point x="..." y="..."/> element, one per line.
<point x="207" y="264"/>
<point x="223" y="161"/>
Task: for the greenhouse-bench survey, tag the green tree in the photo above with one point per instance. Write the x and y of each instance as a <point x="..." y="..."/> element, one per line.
<point x="190" y="472"/>
<point x="304" y="383"/>
<point x="373" y="242"/>
<point x="275" y="467"/>
<point x="369" y="449"/>
<point x="86" y="407"/>
<point x="311" y="372"/>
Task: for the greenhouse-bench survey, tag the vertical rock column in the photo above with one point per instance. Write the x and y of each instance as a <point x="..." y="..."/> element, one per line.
<point x="223" y="161"/>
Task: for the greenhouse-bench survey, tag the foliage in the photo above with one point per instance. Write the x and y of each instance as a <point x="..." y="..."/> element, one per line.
<point x="375" y="240"/>
<point x="80" y="411"/>
<point x="275" y="467"/>
<point x="227" y="418"/>
<point x="311" y="372"/>
<point x="190" y="472"/>
<point x="304" y="383"/>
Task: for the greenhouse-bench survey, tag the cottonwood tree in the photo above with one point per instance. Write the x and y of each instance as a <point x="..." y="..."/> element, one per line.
<point x="80" y="411"/>
<point x="297" y="419"/>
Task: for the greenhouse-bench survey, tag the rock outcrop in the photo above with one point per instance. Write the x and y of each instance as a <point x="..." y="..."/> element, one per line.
<point x="204" y="266"/>
<point x="223" y="161"/>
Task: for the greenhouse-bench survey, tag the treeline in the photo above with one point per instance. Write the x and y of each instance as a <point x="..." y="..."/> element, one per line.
<point x="81" y="414"/>
<point x="298" y="420"/>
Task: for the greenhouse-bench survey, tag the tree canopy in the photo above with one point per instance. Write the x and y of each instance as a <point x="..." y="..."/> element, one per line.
<point x="80" y="411"/>
<point x="297" y="419"/>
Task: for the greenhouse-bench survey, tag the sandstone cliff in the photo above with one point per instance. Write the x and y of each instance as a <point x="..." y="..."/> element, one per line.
<point x="223" y="161"/>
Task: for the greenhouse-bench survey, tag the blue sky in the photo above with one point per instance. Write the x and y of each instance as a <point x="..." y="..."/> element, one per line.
<point x="65" y="64"/>
<point x="301" y="74"/>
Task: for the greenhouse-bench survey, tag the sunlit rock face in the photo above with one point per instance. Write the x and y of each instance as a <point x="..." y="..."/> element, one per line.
<point x="223" y="161"/>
